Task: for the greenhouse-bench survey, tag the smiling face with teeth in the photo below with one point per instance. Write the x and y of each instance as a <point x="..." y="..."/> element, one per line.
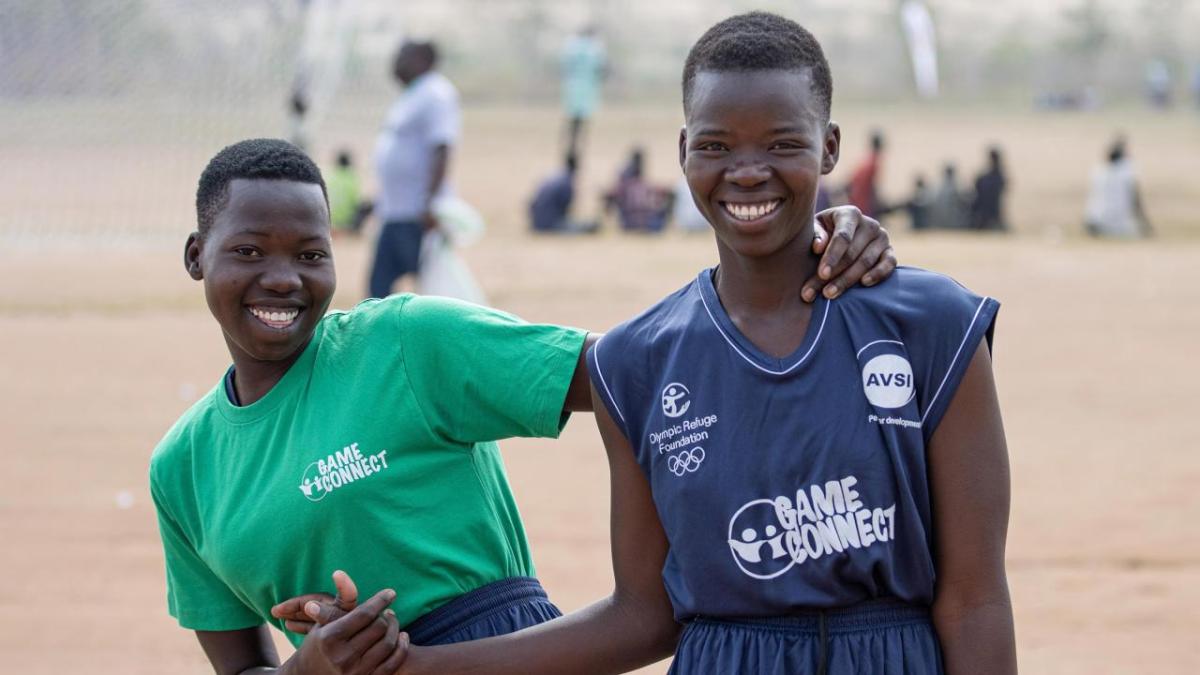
<point x="754" y="147"/>
<point x="267" y="267"/>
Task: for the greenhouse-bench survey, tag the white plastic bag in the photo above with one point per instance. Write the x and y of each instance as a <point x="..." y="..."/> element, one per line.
<point x="458" y="220"/>
<point x="442" y="272"/>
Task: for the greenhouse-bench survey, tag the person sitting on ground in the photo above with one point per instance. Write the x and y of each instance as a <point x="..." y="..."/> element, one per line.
<point x="987" y="207"/>
<point x="551" y="206"/>
<point x="1114" y="207"/>
<point x="641" y="206"/>
<point x="948" y="210"/>
<point x="918" y="206"/>
<point x="347" y="211"/>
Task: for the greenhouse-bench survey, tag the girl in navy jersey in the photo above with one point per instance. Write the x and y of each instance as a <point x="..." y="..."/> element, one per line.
<point x="831" y="479"/>
<point x="795" y="488"/>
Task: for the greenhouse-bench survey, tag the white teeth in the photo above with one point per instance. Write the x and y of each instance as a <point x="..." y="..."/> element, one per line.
<point x="281" y="316"/>
<point x="752" y="211"/>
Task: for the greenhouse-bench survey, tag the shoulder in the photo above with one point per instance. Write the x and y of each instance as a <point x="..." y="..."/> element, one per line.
<point x="439" y="87"/>
<point x="173" y="455"/>
<point x="913" y="294"/>
<point x="365" y="317"/>
<point x="632" y="345"/>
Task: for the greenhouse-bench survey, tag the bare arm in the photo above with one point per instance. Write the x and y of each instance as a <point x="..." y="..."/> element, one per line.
<point x="240" y="652"/>
<point x="632" y="627"/>
<point x="579" y="393"/>
<point x="968" y="461"/>
<point x="437" y="176"/>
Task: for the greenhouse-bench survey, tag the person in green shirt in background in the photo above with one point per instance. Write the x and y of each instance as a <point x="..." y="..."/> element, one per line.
<point x="347" y="210"/>
<point x="362" y="440"/>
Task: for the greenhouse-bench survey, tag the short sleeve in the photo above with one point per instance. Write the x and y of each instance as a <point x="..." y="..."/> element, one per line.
<point x="482" y="375"/>
<point x="943" y="325"/>
<point x="445" y="118"/>
<point x="196" y="597"/>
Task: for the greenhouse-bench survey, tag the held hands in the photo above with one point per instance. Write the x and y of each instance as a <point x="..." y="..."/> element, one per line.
<point x="344" y="638"/>
<point x="853" y="248"/>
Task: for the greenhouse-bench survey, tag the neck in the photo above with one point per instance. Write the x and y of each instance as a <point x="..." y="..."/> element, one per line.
<point x="765" y="284"/>
<point x="254" y="378"/>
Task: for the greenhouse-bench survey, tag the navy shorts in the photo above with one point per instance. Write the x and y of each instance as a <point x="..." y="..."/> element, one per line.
<point x="397" y="253"/>
<point x="879" y="636"/>
<point x="498" y="608"/>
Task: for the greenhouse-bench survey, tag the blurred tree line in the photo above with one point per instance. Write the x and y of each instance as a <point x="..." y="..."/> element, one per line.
<point x="508" y="49"/>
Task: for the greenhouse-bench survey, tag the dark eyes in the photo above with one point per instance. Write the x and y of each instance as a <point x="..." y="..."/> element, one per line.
<point x="252" y="252"/>
<point x="714" y="146"/>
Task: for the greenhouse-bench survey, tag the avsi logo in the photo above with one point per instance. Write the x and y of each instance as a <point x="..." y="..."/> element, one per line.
<point x="341" y="468"/>
<point x="674" y="400"/>
<point x="888" y="381"/>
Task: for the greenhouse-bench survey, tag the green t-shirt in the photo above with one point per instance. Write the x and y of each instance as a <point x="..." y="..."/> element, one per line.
<point x="373" y="454"/>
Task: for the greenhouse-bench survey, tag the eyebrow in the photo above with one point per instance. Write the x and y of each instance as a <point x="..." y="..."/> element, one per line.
<point x="260" y="233"/>
<point x="776" y="131"/>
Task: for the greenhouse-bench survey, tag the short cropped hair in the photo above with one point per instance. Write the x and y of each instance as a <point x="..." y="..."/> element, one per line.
<point x="267" y="158"/>
<point x="759" y="41"/>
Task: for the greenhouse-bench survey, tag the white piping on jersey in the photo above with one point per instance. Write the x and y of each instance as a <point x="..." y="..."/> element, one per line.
<point x="596" y="359"/>
<point x="750" y="360"/>
<point x="875" y="342"/>
<point x="954" y="360"/>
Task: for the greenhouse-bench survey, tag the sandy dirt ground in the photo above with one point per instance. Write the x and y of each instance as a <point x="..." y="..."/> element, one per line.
<point x="104" y="346"/>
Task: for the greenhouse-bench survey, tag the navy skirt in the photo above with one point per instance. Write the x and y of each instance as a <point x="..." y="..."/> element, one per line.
<point x="878" y="637"/>
<point x="498" y="608"/>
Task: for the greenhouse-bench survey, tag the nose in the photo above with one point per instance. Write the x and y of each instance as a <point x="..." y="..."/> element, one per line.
<point x="281" y="277"/>
<point x="748" y="174"/>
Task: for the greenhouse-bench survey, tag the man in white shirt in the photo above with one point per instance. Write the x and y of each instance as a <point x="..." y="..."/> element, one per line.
<point x="411" y="157"/>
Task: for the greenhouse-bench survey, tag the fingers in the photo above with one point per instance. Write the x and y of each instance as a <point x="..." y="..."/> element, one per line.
<point x="846" y="220"/>
<point x="810" y="289"/>
<point x="347" y="591"/>
<point x="293" y="608"/>
<point x="378" y="651"/>
<point x="399" y="654"/>
<point x="362" y="617"/>
<point x="820" y="237"/>
<point x="299" y="627"/>
<point x="882" y="269"/>
<point x="856" y="271"/>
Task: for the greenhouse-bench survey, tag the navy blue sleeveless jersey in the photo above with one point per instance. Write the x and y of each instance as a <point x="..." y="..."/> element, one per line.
<point x="801" y="482"/>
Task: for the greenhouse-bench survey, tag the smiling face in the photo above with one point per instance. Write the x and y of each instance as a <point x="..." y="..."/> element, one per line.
<point x="267" y="267"/>
<point x="755" y="145"/>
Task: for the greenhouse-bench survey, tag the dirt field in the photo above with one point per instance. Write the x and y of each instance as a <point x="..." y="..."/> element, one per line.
<point x="1095" y="357"/>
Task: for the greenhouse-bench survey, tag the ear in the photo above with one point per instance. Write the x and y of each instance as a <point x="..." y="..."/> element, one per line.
<point x="191" y="256"/>
<point x="833" y="147"/>
<point x="682" y="145"/>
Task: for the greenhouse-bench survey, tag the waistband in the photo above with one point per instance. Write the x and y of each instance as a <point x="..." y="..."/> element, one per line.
<point x="879" y="613"/>
<point x="474" y="605"/>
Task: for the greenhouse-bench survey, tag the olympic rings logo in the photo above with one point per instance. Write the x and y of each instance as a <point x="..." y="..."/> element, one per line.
<point x="686" y="461"/>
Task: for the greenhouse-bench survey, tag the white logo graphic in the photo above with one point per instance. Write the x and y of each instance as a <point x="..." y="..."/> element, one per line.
<point x="674" y="401"/>
<point x="768" y="537"/>
<point x="888" y="381"/>
<point x="756" y="526"/>
<point x="341" y="468"/>
<point x="686" y="461"/>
